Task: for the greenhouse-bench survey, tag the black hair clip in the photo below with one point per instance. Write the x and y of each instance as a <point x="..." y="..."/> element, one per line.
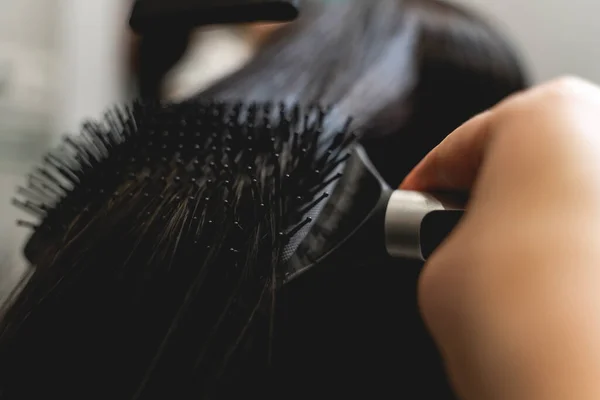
<point x="186" y="14"/>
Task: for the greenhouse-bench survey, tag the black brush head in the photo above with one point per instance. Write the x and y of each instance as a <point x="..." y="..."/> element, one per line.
<point x="198" y="155"/>
<point x="150" y="15"/>
<point x="162" y="234"/>
<point x="350" y="227"/>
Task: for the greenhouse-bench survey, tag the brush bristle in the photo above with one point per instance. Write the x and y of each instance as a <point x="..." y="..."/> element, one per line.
<point x="162" y="235"/>
<point x="201" y="155"/>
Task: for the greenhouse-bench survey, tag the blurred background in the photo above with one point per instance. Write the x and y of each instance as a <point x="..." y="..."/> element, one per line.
<point x="64" y="60"/>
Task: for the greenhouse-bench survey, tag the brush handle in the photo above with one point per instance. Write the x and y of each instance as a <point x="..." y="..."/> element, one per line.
<point x="436" y="227"/>
<point x="417" y="223"/>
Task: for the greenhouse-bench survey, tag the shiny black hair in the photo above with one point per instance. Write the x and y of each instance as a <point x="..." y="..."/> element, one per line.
<point x="407" y="71"/>
<point x="96" y="317"/>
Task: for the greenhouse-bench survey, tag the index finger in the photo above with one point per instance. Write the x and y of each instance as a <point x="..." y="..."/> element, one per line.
<point x="454" y="163"/>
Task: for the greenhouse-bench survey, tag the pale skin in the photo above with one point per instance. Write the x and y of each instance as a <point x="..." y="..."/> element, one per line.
<point x="513" y="296"/>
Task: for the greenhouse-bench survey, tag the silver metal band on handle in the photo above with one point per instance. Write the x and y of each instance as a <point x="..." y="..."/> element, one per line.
<point x="403" y="218"/>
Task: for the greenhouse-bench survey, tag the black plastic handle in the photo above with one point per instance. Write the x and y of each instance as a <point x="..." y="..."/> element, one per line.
<point x="436" y="227"/>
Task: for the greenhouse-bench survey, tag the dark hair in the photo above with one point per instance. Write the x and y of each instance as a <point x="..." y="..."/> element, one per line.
<point x="407" y="71"/>
<point x="95" y="313"/>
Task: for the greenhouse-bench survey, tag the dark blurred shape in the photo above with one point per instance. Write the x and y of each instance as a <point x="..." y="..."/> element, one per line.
<point x="165" y="27"/>
<point x="158" y="51"/>
<point x="152" y="15"/>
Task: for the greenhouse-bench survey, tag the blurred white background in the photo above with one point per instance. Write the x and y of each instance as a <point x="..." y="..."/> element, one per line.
<point x="555" y="37"/>
<point x="63" y="60"/>
<point x="29" y="55"/>
<point x="59" y="61"/>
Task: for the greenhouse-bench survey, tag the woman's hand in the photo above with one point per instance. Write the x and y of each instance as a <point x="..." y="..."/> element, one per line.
<point x="513" y="296"/>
